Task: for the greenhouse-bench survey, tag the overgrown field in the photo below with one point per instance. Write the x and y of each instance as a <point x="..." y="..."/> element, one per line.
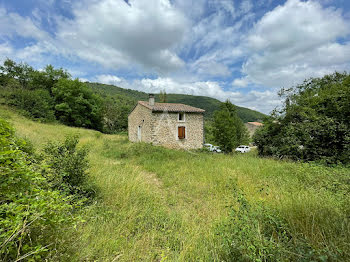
<point x="156" y="204"/>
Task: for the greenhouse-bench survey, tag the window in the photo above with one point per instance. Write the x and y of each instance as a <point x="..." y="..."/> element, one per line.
<point x="181" y="117"/>
<point x="181" y="132"/>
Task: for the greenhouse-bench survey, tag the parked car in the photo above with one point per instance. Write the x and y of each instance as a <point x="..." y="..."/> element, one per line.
<point x="217" y="149"/>
<point x="242" y="149"/>
<point x="212" y="148"/>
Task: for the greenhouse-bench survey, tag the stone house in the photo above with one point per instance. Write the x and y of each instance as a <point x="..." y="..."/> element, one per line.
<point x="167" y="124"/>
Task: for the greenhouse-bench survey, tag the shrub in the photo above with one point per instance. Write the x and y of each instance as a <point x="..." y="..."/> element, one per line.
<point x="31" y="213"/>
<point x="68" y="167"/>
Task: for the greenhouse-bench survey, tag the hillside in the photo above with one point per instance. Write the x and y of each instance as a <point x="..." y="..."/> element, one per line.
<point x="198" y="206"/>
<point x="207" y="103"/>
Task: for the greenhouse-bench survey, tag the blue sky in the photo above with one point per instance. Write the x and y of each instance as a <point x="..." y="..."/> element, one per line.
<point x="242" y="50"/>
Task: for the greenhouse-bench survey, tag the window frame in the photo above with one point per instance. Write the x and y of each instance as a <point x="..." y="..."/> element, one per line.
<point x="185" y="133"/>
<point x="184" y="117"/>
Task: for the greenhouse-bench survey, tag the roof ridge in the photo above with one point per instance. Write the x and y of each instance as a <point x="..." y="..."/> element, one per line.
<point x="171" y="107"/>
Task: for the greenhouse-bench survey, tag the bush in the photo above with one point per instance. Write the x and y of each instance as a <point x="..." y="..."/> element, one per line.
<point x="31" y="213"/>
<point x="68" y="167"/>
<point x="314" y="124"/>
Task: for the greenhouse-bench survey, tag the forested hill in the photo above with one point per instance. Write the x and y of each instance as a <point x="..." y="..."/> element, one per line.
<point x="207" y="103"/>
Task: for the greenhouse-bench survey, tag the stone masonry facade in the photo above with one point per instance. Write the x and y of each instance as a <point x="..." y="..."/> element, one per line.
<point x="161" y="127"/>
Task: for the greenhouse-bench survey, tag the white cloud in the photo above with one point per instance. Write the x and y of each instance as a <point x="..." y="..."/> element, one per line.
<point x="246" y="6"/>
<point x="12" y="24"/>
<point x="240" y="82"/>
<point x="116" y="34"/>
<point x="108" y="79"/>
<point x="6" y="50"/>
<point x="215" y="39"/>
<point x="194" y="9"/>
<point x="209" y="68"/>
<point x="110" y="33"/>
<point x="296" y="41"/>
<point x="227" y="5"/>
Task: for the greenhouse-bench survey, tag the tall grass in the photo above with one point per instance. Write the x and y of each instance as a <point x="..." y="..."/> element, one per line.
<point x="157" y="204"/>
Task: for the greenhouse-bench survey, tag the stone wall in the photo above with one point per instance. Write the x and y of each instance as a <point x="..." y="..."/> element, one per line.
<point x="161" y="128"/>
<point x="166" y="127"/>
<point x="140" y="116"/>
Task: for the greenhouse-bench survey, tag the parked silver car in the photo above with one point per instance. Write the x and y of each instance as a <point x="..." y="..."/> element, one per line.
<point x="243" y="149"/>
<point x="212" y="148"/>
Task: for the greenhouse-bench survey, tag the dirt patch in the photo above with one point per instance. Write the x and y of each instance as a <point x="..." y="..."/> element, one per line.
<point x="151" y="178"/>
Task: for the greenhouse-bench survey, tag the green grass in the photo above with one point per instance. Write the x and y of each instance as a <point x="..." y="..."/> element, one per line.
<point x="157" y="204"/>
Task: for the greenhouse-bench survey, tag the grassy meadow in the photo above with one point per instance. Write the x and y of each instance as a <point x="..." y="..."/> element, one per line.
<point x="156" y="204"/>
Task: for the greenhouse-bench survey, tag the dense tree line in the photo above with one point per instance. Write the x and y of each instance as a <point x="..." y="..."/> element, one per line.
<point x="314" y="123"/>
<point x="52" y="95"/>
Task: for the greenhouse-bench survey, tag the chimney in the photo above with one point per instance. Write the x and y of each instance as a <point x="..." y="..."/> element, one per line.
<point x="151" y="100"/>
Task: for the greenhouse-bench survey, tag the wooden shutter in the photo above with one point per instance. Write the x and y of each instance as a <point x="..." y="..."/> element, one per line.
<point x="181" y="132"/>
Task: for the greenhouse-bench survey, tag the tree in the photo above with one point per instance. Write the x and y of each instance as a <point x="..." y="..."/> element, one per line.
<point x="11" y="70"/>
<point x="228" y="129"/>
<point x="314" y="123"/>
<point x="29" y="78"/>
<point x="242" y="134"/>
<point x="47" y="78"/>
<point x="115" y="114"/>
<point x="224" y="130"/>
<point x="76" y="105"/>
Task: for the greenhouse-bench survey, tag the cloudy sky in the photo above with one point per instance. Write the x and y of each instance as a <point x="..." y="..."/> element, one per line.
<point x="243" y="50"/>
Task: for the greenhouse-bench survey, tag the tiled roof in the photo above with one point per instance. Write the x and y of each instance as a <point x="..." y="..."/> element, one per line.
<point x="170" y="107"/>
<point x="255" y="123"/>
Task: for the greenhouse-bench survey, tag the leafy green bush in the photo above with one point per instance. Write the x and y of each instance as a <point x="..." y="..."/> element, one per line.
<point x="31" y="213"/>
<point x="68" y="167"/>
<point x="314" y="123"/>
